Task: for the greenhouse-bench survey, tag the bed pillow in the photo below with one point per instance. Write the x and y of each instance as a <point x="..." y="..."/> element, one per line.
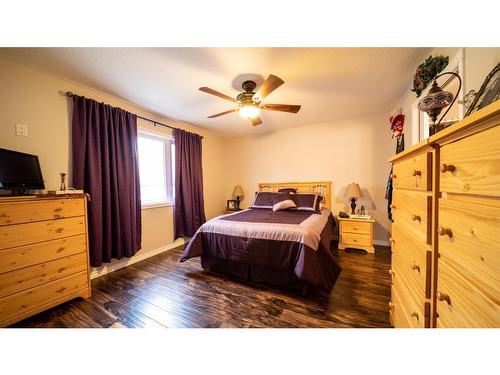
<point x="287" y="190"/>
<point x="264" y="199"/>
<point x="307" y="201"/>
<point x="282" y="201"/>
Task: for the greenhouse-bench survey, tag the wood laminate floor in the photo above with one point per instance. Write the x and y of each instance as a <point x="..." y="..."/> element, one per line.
<point x="161" y="292"/>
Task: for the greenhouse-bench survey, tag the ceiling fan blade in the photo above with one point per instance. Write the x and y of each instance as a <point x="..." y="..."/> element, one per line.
<point x="281" y="107"/>
<point x="269" y="85"/>
<point x="208" y="90"/>
<point x="255" y="121"/>
<point x="223" y="113"/>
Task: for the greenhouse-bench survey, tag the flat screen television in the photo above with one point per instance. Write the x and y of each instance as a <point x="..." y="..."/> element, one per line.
<point x="19" y="172"/>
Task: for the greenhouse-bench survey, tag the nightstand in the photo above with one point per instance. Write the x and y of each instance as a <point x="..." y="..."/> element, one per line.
<point x="356" y="234"/>
<point x="225" y="212"/>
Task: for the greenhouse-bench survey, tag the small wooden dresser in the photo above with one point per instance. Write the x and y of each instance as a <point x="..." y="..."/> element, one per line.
<point x="43" y="254"/>
<point x="446" y="231"/>
<point x="356" y="233"/>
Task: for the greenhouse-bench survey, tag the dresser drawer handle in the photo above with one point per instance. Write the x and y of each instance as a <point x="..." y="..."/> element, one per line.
<point x="391" y="306"/>
<point x="443" y="297"/>
<point x="57" y="216"/>
<point x="416" y="218"/>
<point x="58" y="209"/>
<point x="416" y="172"/>
<point x="392" y="241"/>
<point x="414" y="315"/>
<point x="415" y="266"/>
<point x="393" y="176"/>
<point x="59" y="230"/>
<point x="393" y="206"/>
<point x="391" y="272"/>
<point x="447" y="168"/>
<point x="445" y="232"/>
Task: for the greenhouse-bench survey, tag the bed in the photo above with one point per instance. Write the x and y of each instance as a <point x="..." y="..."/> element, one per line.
<point x="288" y="248"/>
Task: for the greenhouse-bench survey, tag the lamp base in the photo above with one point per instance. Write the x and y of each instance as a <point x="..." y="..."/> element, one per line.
<point x="237" y="203"/>
<point x="353" y="205"/>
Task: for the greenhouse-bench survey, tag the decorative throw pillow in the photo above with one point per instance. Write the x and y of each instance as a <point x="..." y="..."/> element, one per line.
<point x="283" y="205"/>
<point x="282" y="201"/>
<point x="307" y="201"/>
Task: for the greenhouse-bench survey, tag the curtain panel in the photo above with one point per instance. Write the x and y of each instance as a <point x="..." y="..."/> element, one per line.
<point x="189" y="203"/>
<point x="105" y="165"/>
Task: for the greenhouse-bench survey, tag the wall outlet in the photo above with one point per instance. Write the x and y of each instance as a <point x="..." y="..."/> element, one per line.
<point x="21" y="130"/>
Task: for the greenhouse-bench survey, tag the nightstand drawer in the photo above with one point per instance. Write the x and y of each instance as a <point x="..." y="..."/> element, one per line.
<point x="355" y="227"/>
<point x="413" y="173"/>
<point x="471" y="165"/>
<point x="356" y="239"/>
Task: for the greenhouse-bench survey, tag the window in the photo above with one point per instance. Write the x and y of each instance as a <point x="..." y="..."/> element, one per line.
<point x="156" y="168"/>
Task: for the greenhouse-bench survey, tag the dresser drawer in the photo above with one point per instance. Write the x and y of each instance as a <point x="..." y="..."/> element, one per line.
<point x="29" y="255"/>
<point x="22" y="303"/>
<point x="414" y="259"/>
<point x="397" y="315"/>
<point x="469" y="238"/>
<point x="413" y="173"/>
<point x="25" y="234"/>
<point x="411" y="299"/>
<point x="31" y="211"/>
<point x="472" y="165"/>
<point x="412" y="210"/>
<point x="25" y="278"/>
<point x="356" y="239"/>
<point x="355" y="227"/>
<point x="460" y="304"/>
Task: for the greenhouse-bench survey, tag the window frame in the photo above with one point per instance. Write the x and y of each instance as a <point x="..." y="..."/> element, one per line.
<point x="168" y="140"/>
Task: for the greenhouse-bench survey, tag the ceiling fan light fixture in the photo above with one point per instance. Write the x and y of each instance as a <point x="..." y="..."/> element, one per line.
<point x="249" y="111"/>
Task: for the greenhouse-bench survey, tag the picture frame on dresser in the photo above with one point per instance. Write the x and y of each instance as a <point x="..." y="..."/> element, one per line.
<point x="231" y="205"/>
<point x="489" y="91"/>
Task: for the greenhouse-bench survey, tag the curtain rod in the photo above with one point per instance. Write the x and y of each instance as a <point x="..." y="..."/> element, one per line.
<point x="70" y="94"/>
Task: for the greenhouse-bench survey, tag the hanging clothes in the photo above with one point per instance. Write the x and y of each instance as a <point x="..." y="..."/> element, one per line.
<point x="400" y="146"/>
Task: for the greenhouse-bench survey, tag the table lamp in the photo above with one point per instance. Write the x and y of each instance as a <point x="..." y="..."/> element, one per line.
<point x="353" y="191"/>
<point x="238" y="194"/>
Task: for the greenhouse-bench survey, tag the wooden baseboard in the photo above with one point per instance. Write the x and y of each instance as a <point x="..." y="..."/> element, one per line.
<point x="101" y="271"/>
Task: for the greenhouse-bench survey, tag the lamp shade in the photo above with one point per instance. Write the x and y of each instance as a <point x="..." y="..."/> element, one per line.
<point x="238" y="191"/>
<point x="353" y="191"/>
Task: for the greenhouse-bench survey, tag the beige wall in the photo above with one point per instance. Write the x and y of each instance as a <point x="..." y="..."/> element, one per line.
<point x="30" y="97"/>
<point x="341" y="151"/>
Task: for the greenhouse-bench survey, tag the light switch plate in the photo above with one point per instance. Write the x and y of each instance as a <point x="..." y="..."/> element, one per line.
<point x="21" y="130"/>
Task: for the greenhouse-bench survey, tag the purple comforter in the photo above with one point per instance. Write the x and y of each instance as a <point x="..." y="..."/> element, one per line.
<point x="283" y="241"/>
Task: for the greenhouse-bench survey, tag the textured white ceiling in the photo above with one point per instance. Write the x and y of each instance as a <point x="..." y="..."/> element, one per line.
<point x="329" y="83"/>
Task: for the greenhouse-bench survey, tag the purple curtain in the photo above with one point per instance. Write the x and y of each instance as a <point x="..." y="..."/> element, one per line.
<point x="105" y="165"/>
<point x="189" y="204"/>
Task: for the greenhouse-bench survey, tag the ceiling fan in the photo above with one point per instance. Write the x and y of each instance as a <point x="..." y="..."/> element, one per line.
<point x="250" y="102"/>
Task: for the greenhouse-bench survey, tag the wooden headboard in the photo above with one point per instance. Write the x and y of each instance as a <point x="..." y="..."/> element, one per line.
<point x="321" y="187"/>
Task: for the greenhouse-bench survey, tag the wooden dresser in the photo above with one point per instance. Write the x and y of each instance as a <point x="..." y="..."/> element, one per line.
<point x="446" y="232"/>
<point x="43" y="254"/>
